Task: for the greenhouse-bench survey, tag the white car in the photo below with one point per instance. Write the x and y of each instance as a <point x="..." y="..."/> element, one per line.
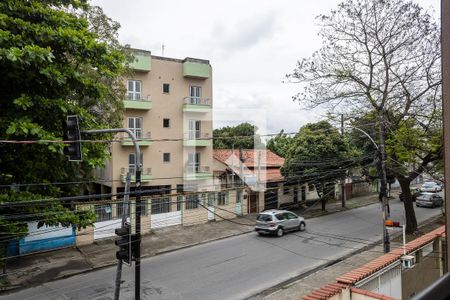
<point x="431" y="187"/>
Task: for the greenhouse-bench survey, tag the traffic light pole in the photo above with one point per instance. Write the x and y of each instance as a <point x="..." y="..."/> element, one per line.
<point x="124" y="220"/>
<point x="137" y="241"/>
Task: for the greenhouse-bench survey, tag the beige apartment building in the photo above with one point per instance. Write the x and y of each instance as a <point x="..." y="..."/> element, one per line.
<point x="168" y="106"/>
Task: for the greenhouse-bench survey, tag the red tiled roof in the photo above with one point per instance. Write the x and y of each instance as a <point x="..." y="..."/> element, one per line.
<point x="326" y="292"/>
<point x="268" y="158"/>
<point x="388" y="258"/>
<point x="370" y="294"/>
<point x="366" y="270"/>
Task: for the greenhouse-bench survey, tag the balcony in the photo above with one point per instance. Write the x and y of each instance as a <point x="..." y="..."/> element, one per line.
<point x="196" y="68"/>
<point x="141" y="104"/>
<point x="195" y="104"/>
<point x="196" y="172"/>
<point x="146" y="174"/>
<point x="197" y="139"/>
<point x="142" y="61"/>
<point x="144" y="139"/>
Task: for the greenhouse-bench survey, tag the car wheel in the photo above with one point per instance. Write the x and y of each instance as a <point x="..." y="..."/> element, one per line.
<point x="417" y="205"/>
<point x="260" y="233"/>
<point x="302" y="226"/>
<point x="280" y="232"/>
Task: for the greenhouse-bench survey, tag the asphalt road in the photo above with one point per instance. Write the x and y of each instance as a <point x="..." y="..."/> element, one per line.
<point x="234" y="268"/>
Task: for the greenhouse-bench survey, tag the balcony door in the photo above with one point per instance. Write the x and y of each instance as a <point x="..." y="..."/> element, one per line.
<point x="194" y="129"/>
<point x="194" y="162"/>
<point x="135" y="125"/>
<point x="195" y="94"/>
<point x="134" y="90"/>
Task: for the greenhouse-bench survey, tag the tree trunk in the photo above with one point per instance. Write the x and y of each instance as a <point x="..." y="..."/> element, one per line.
<point x="410" y="214"/>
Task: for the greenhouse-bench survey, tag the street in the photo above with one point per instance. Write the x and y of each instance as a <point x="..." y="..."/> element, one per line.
<point x="238" y="267"/>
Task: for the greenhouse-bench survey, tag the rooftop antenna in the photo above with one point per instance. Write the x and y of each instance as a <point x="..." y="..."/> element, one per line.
<point x="162" y="48"/>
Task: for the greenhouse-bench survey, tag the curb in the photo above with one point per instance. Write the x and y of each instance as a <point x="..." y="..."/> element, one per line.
<point x="285" y="284"/>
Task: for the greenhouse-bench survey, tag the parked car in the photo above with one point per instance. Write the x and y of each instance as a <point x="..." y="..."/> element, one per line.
<point x="278" y="222"/>
<point x="429" y="200"/>
<point x="430" y="186"/>
<point x="414" y="194"/>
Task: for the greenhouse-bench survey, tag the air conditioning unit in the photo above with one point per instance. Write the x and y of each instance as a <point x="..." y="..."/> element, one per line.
<point x="408" y="261"/>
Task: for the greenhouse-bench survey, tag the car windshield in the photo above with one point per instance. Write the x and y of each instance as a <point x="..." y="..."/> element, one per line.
<point x="264" y="218"/>
<point x="428" y="184"/>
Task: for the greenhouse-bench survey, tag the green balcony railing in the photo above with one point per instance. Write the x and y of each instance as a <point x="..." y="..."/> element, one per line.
<point x="146" y="174"/>
<point x="196" y="104"/>
<point x="141" y="104"/>
<point x="193" y="172"/>
<point x="144" y="139"/>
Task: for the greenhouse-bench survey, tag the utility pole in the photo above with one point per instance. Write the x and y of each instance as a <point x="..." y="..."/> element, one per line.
<point x="137" y="239"/>
<point x="445" y="49"/>
<point x="383" y="190"/>
<point x="343" y="176"/>
<point x="382" y="157"/>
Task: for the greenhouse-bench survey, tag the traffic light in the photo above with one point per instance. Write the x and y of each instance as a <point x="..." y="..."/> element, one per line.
<point x="390" y="223"/>
<point x="125" y="252"/>
<point x="72" y="135"/>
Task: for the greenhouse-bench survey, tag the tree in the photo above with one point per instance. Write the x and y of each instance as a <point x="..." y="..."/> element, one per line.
<point x="380" y="56"/>
<point x="319" y="155"/>
<point x="56" y="59"/>
<point x="240" y="136"/>
<point x="280" y="144"/>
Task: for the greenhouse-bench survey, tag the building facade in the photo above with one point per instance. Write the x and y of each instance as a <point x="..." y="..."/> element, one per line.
<point x="168" y="106"/>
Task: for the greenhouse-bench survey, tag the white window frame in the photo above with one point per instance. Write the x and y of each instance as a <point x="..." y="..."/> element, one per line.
<point x="195" y="129"/>
<point x="132" y="162"/>
<point x="195" y="94"/>
<point x="135" y="92"/>
<point x="136" y="125"/>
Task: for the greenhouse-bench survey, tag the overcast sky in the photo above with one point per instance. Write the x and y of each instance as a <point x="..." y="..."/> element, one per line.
<point x="251" y="45"/>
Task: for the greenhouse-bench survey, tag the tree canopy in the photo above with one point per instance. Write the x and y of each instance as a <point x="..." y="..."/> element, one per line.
<point x="379" y="56"/>
<point x="56" y="58"/>
<point x="240" y="136"/>
<point x="280" y="144"/>
<point x="319" y="155"/>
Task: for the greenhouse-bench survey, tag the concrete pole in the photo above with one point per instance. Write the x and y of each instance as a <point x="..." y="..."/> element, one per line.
<point x="445" y="48"/>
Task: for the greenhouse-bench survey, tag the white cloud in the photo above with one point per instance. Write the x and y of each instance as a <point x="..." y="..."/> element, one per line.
<point x="251" y="44"/>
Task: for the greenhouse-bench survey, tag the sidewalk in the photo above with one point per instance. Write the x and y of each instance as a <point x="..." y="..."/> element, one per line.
<point x="43" y="267"/>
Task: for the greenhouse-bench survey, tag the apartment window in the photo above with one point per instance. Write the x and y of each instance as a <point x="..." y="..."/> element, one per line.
<point x="194" y="129"/>
<point x="166" y="157"/>
<point x="135" y="125"/>
<point x="132" y="162"/>
<point x="166" y="123"/>
<point x="134" y="90"/>
<point x="160" y="205"/>
<point x="222" y="198"/>
<point x="195" y="94"/>
<point x="191" y="201"/>
<point x="166" y="88"/>
<point x="193" y="163"/>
